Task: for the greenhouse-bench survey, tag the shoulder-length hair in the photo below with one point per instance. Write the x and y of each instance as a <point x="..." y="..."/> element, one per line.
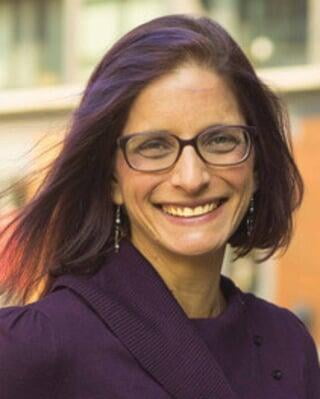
<point x="67" y="227"/>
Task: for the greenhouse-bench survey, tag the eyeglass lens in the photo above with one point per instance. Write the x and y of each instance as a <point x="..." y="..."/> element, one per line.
<point x="227" y="145"/>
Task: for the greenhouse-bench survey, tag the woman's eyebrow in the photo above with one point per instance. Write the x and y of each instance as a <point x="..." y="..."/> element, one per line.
<point x="165" y="131"/>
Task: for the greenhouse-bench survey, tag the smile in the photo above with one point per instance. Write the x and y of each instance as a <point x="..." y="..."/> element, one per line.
<point x="187" y="212"/>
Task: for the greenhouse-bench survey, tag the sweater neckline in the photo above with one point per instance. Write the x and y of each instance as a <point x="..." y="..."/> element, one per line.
<point x="133" y="301"/>
<point x="235" y="298"/>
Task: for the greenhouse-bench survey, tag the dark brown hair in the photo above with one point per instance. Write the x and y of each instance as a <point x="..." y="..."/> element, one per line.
<point x="67" y="227"/>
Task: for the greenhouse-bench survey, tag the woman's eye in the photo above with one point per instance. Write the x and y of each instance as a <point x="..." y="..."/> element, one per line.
<point x="220" y="139"/>
<point x="154" y="145"/>
<point x="220" y="142"/>
<point x="153" y="148"/>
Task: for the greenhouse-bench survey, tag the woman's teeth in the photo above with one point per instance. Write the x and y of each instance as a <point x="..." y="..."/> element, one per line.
<point x="189" y="212"/>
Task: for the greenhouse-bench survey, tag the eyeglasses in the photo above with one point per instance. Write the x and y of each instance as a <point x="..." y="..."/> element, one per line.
<point x="155" y="151"/>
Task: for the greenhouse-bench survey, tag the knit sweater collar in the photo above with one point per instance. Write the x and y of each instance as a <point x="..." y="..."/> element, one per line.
<point x="134" y="302"/>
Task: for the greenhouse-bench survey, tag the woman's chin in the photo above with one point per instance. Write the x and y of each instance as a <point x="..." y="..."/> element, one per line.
<point x="196" y="249"/>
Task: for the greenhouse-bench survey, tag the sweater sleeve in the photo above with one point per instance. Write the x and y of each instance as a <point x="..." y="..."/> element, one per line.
<point x="27" y="354"/>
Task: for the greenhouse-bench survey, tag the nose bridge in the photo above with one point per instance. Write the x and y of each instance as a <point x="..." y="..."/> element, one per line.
<point x="189" y="153"/>
<point x="190" y="171"/>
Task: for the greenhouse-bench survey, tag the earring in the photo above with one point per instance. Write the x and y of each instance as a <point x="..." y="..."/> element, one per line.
<point x="117" y="225"/>
<point x="250" y="220"/>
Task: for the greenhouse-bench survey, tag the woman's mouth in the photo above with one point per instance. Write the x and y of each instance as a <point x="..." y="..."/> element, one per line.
<point x="190" y="212"/>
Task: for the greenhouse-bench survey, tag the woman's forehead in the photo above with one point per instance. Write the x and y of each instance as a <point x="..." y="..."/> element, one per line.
<point x="187" y="83"/>
<point x="188" y="78"/>
<point x="189" y="95"/>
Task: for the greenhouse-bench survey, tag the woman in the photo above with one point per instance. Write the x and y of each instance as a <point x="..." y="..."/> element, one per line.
<point x="176" y="149"/>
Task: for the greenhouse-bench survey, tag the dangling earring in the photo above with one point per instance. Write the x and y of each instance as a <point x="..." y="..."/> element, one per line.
<point x="117" y="225"/>
<point x="250" y="220"/>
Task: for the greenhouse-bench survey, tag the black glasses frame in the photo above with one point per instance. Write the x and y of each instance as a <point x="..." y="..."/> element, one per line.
<point x="249" y="131"/>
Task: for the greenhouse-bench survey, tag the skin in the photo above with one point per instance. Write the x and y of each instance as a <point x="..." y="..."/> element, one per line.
<point x="188" y="256"/>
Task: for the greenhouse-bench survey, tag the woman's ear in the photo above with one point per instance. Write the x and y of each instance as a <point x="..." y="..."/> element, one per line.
<point x="116" y="193"/>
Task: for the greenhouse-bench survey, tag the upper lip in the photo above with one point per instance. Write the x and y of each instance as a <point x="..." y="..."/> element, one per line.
<point x="193" y="204"/>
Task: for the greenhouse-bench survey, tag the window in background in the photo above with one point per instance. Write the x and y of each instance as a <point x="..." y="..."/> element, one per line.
<point x="102" y="22"/>
<point x="30" y="43"/>
<point x="272" y="32"/>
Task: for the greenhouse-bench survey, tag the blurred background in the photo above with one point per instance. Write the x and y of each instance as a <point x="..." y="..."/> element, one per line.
<point x="49" y="47"/>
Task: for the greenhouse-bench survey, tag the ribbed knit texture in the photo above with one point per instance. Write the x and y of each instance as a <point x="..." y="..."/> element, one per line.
<point x="159" y="343"/>
<point x="120" y="334"/>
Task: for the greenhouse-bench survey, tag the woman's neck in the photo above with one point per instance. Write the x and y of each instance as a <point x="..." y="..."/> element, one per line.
<point x="193" y="281"/>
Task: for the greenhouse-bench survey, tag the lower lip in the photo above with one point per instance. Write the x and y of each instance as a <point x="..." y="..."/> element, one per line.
<point x="195" y="219"/>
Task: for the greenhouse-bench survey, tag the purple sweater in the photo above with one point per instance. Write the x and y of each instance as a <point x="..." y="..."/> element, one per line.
<point x="121" y="334"/>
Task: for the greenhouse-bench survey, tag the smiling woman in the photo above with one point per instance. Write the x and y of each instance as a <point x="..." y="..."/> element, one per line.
<point x="176" y="149"/>
<point x="164" y="206"/>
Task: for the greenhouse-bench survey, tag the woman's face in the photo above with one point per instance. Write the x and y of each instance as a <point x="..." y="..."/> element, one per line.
<point x="184" y="102"/>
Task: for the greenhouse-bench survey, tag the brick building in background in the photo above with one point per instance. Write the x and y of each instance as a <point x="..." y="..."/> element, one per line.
<point x="298" y="272"/>
<point x="49" y="47"/>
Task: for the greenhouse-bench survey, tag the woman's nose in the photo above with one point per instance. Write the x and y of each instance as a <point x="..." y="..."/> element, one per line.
<point x="190" y="173"/>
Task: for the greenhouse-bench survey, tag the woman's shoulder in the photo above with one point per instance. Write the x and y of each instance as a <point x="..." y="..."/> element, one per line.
<point x="25" y="326"/>
<point x="275" y="324"/>
<point x="33" y="345"/>
<point x="28" y="352"/>
<point x="270" y="316"/>
<point x="39" y="321"/>
<point x="263" y="314"/>
<point x="285" y="338"/>
<point x="280" y="325"/>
